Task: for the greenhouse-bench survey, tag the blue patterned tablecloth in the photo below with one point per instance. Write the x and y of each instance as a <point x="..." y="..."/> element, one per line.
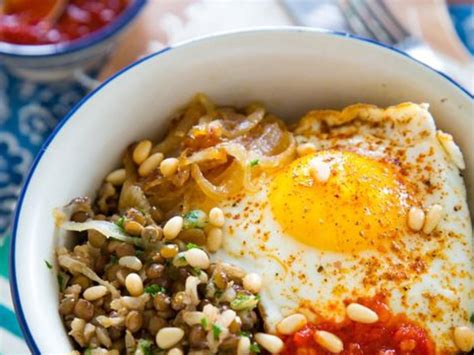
<point x="28" y="113"/>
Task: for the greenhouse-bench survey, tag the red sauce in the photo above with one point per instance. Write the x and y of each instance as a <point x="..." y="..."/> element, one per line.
<point x="25" y="24"/>
<point x="392" y="334"/>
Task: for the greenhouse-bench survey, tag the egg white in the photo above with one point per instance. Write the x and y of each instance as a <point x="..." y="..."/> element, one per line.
<point x="427" y="277"/>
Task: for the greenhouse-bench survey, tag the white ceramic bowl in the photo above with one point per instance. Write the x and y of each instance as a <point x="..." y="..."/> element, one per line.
<point x="292" y="70"/>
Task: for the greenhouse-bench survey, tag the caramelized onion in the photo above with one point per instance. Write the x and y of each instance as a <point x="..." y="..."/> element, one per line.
<point x="243" y="125"/>
<point x="211" y="190"/>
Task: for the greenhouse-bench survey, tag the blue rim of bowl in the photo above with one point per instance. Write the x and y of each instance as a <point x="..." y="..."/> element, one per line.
<point x="13" y="278"/>
<point x="55" y="50"/>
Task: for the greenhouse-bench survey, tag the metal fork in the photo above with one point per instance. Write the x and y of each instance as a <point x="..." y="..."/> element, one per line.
<point x="373" y="19"/>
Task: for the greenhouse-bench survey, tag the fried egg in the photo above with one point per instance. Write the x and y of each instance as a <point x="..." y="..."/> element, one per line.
<point x="319" y="243"/>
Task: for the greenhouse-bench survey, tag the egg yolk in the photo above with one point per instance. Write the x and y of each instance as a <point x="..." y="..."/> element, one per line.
<point x="362" y="205"/>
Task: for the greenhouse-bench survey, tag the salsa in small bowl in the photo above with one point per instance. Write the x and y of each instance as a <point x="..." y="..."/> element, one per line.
<point x="53" y="39"/>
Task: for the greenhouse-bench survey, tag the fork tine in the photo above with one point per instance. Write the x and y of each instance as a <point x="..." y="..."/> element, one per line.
<point x="362" y="8"/>
<point x="354" y="21"/>
<point x="387" y="20"/>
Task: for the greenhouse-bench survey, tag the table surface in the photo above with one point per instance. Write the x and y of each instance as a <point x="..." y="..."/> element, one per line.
<point x="29" y="111"/>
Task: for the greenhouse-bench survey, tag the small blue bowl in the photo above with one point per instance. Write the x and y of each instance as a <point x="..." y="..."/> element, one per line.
<point x="51" y="62"/>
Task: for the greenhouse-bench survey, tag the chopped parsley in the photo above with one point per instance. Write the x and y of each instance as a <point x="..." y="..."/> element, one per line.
<point x="119" y="222"/>
<point x="204" y="322"/>
<point x="88" y="351"/>
<point x="113" y="259"/>
<point x="62" y="280"/>
<point x="254" y="162"/>
<point x="195" y="219"/>
<point x="196" y="271"/>
<point x="48" y="264"/>
<point x="244" y="334"/>
<point x="154" y="289"/>
<point x="145" y="346"/>
<point x="139" y="253"/>
<point x="216" y="331"/>
<point x="191" y="246"/>
<point x="254" y="348"/>
<point x="243" y="301"/>
<point x="472" y="318"/>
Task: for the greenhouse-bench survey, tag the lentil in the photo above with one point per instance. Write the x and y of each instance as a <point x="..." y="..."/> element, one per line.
<point x="84" y="309"/>
<point x="169" y="251"/>
<point x="96" y="239"/>
<point x="124" y="249"/>
<point x="154" y="270"/>
<point x="133" y="228"/>
<point x="134" y="321"/>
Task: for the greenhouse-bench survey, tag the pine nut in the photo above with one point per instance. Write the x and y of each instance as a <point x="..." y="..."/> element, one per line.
<point x="361" y="314"/>
<point x="197" y="258"/>
<point x="173" y="227"/>
<point x="464" y="338"/>
<point x="320" y="170"/>
<point x="134" y="284"/>
<point x="416" y="219"/>
<point x="95" y="292"/>
<point x="329" y="341"/>
<point x="117" y="177"/>
<point x="433" y="217"/>
<point x="291" y="324"/>
<point x="226" y="318"/>
<point x="150" y="164"/>
<point x="169" y="166"/>
<point x="305" y="149"/>
<point x="243" y="348"/>
<point x="214" y="239"/>
<point x="131" y="262"/>
<point x="252" y="282"/>
<point x="142" y="151"/>
<point x="269" y="342"/>
<point x="168" y="337"/>
<point x="175" y="351"/>
<point x="193" y="317"/>
<point x="133" y="228"/>
<point x="216" y="217"/>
